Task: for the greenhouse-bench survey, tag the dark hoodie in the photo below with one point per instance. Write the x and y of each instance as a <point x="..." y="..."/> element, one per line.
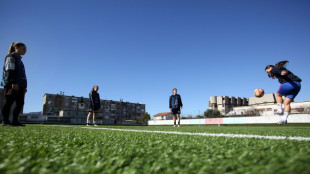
<point x="14" y="71"/>
<point x="286" y="78"/>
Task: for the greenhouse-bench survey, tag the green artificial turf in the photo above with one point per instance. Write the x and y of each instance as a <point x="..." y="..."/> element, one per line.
<point x="74" y="149"/>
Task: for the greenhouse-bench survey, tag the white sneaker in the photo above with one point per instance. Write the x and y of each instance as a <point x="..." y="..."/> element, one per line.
<point x="174" y="125"/>
<point x="280" y="112"/>
<point x="282" y="122"/>
<point x="178" y="125"/>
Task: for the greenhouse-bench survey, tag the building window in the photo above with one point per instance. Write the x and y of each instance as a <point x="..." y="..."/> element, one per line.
<point x="113" y="107"/>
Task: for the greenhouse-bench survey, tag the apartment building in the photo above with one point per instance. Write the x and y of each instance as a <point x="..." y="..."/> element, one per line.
<point x="112" y="112"/>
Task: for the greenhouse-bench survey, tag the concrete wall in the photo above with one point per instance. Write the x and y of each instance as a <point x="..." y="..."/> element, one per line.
<point x="267" y="98"/>
<point x="294" y="118"/>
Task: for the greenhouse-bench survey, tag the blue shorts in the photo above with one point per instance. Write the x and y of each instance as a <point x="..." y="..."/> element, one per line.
<point x="290" y="89"/>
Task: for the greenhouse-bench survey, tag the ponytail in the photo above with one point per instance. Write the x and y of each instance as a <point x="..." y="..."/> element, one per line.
<point x="11" y="49"/>
<point x="281" y="64"/>
<point x="13" y="45"/>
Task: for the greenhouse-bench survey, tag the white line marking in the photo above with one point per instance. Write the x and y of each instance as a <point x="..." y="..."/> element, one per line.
<point x="210" y="134"/>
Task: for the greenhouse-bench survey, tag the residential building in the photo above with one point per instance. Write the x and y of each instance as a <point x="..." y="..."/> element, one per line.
<point x="112" y="112"/>
<point x="163" y="116"/>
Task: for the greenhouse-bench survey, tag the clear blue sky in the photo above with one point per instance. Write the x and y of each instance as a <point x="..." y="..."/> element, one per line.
<point x="139" y="50"/>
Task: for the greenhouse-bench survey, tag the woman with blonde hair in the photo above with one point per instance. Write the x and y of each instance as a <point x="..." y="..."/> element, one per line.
<point x="94" y="104"/>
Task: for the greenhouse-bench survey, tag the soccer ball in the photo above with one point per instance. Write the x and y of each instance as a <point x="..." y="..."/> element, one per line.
<point x="259" y="92"/>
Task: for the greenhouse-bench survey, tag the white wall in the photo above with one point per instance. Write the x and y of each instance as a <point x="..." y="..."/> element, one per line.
<point x="294" y="118"/>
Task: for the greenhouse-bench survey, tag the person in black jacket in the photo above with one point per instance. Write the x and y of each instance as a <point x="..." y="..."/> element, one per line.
<point x="175" y="105"/>
<point x="94" y="104"/>
<point x="14" y="82"/>
<point x="289" y="88"/>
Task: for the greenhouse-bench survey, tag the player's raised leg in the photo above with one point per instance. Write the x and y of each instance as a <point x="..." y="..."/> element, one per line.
<point x="287" y="109"/>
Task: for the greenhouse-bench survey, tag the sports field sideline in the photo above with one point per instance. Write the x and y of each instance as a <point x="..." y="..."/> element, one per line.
<point x="155" y="149"/>
<point x="209" y="134"/>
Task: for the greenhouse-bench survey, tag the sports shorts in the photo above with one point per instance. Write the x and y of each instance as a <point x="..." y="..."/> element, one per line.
<point x="93" y="110"/>
<point x="290" y="89"/>
<point x="176" y="111"/>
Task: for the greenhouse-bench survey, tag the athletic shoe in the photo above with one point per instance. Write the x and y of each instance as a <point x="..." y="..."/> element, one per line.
<point x="95" y="125"/>
<point x="87" y="124"/>
<point x="279" y="112"/>
<point x="17" y="124"/>
<point x="282" y="122"/>
<point x="178" y="125"/>
<point x="174" y="125"/>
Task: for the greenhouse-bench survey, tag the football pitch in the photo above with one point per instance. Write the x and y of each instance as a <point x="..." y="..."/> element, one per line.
<point x="155" y="149"/>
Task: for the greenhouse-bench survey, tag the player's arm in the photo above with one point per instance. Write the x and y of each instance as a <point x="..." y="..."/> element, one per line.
<point x="181" y="104"/>
<point x="284" y="72"/>
<point x="10" y="70"/>
<point x="170" y="103"/>
<point x="91" y="100"/>
<point x="99" y="101"/>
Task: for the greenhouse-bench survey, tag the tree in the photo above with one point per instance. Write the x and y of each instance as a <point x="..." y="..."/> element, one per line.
<point x="212" y="113"/>
<point x="146" y="117"/>
<point x="199" y="116"/>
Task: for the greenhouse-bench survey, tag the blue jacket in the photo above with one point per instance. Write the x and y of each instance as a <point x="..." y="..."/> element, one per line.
<point x="175" y="102"/>
<point x="14" y="71"/>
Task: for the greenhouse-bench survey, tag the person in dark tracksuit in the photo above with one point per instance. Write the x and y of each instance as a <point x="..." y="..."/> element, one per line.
<point x="14" y="82"/>
<point x="175" y="105"/>
<point x="94" y="104"/>
<point x="290" y="87"/>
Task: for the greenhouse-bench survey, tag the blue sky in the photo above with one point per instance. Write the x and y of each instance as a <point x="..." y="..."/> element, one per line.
<point x="139" y="50"/>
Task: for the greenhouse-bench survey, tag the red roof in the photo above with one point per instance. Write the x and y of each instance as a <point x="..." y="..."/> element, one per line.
<point x="162" y="114"/>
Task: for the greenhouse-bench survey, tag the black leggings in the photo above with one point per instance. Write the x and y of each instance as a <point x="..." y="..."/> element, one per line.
<point x="16" y="96"/>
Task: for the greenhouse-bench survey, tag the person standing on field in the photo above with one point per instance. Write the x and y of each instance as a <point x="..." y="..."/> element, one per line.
<point x="94" y="104"/>
<point x="14" y="82"/>
<point x="175" y="105"/>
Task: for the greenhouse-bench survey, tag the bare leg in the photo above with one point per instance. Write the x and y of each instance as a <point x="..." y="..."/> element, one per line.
<point x="94" y="119"/>
<point x="279" y="98"/>
<point x="88" y="116"/>
<point x="174" y="119"/>
<point x="178" y="115"/>
<point x="287" y="104"/>
<point x="287" y="110"/>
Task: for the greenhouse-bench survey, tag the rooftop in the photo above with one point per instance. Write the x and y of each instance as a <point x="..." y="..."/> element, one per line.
<point x="162" y="114"/>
